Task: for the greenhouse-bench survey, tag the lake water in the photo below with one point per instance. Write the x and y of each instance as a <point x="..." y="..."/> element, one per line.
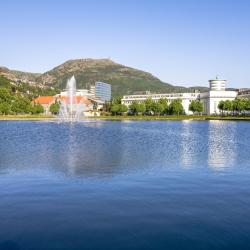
<point x="125" y="185"/>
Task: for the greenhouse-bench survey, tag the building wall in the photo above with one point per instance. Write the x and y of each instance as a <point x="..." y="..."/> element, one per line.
<point x="211" y="100"/>
<point x="244" y="93"/>
<point x="186" y="98"/>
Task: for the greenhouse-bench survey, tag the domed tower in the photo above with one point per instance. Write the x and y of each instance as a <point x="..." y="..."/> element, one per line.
<point x="217" y="84"/>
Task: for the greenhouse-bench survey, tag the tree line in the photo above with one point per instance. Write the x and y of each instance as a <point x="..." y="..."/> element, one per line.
<point x="162" y="107"/>
<point x="237" y="106"/>
<point x="151" y="107"/>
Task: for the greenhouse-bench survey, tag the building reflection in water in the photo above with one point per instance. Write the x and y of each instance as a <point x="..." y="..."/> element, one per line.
<point x="221" y="144"/>
<point x="187" y="154"/>
<point x="193" y="153"/>
<point x="110" y="148"/>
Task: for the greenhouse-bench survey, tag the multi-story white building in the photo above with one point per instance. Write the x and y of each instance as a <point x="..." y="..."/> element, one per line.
<point x="209" y="99"/>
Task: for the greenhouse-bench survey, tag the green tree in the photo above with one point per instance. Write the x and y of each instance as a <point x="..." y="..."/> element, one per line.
<point x="54" y="108"/>
<point x="221" y="106"/>
<point x="5" y="95"/>
<point x="118" y="109"/>
<point x="137" y="108"/>
<point x="238" y="105"/>
<point x="37" y="109"/>
<point x="158" y="108"/>
<point x="123" y="109"/>
<point x="247" y="104"/>
<point x="175" y="107"/>
<point x="228" y="106"/>
<point x="115" y="109"/>
<point x="196" y="106"/>
<point x="5" y="108"/>
<point x="164" y="103"/>
<point x="21" y="105"/>
<point x="149" y="105"/>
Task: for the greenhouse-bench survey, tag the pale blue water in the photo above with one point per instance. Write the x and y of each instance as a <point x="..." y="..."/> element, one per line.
<point x="125" y="185"/>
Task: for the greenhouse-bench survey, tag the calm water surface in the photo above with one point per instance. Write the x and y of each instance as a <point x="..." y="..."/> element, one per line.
<point x="125" y="185"/>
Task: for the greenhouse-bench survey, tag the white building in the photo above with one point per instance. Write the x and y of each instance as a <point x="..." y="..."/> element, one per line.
<point x="185" y="97"/>
<point x="209" y="99"/>
<point x="244" y="93"/>
<point x="79" y="92"/>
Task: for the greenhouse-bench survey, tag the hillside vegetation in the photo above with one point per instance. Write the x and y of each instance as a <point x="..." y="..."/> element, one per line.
<point x="124" y="80"/>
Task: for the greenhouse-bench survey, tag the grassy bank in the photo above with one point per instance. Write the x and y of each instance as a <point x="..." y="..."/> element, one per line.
<point x="132" y="118"/>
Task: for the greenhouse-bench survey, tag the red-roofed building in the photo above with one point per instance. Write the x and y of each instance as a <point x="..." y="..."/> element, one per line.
<point x="90" y="103"/>
<point x="45" y="101"/>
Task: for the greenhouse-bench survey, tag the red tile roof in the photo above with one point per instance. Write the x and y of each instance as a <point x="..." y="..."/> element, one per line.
<point x="44" y="99"/>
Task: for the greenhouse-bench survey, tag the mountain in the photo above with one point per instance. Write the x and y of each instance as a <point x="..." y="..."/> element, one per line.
<point x="124" y="80"/>
<point x="19" y="76"/>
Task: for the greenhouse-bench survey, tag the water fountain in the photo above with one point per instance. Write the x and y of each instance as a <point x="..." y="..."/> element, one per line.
<point x="71" y="109"/>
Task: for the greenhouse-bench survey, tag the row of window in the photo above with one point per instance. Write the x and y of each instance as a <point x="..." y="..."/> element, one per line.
<point x="156" y="96"/>
<point x="142" y="101"/>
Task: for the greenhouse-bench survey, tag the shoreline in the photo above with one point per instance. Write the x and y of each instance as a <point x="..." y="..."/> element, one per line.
<point x="128" y="118"/>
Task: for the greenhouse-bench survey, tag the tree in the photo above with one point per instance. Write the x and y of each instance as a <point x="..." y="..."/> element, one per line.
<point x="107" y="106"/>
<point x="137" y="108"/>
<point x="221" y="106"/>
<point x="196" y="106"/>
<point x="123" y="108"/>
<point x="5" y="108"/>
<point x="115" y="108"/>
<point x="228" y="106"/>
<point x="54" y="108"/>
<point x="118" y="109"/>
<point x="238" y="105"/>
<point x="37" y="109"/>
<point x="247" y="104"/>
<point x="5" y="95"/>
<point x="158" y="108"/>
<point x="175" y="107"/>
<point x="21" y="105"/>
<point x="164" y="103"/>
<point x="149" y="105"/>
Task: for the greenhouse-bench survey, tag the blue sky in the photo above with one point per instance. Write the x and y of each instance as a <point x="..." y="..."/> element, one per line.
<point x="184" y="42"/>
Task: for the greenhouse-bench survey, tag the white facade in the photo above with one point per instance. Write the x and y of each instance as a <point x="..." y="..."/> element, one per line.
<point x="185" y="97"/>
<point x="79" y="92"/>
<point x="209" y="99"/>
<point x="217" y="84"/>
<point x="212" y="98"/>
